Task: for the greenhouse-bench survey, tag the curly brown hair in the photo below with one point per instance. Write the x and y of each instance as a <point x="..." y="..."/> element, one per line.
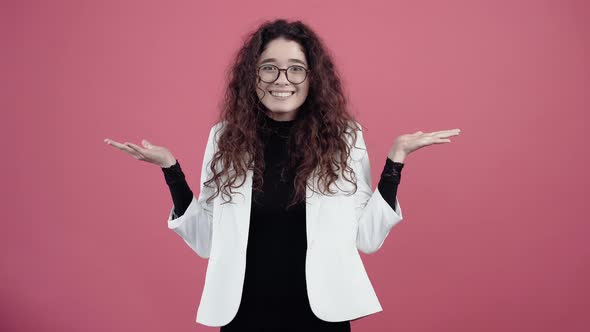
<point x="321" y="124"/>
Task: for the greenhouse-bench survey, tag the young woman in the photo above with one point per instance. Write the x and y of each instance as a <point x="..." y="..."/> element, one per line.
<point x="286" y="199"/>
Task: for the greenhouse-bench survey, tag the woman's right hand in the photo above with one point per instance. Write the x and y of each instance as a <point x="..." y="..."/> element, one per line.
<point x="157" y="155"/>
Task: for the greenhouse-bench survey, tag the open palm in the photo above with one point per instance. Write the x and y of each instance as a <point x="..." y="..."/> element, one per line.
<point x="157" y="155"/>
<point x="406" y="144"/>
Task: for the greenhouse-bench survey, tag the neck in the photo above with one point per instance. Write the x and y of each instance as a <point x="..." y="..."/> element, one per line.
<point x="275" y="128"/>
<point x="273" y="122"/>
<point x="281" y="116"/>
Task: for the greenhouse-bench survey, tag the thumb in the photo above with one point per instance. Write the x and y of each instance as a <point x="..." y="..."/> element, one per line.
<point x="146" y="144"/>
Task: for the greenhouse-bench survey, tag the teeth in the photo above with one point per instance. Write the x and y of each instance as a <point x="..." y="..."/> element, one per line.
<point x="281" y="94"/>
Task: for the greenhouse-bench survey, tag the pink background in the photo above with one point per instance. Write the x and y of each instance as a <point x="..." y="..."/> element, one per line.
<point x="493" y="237"/>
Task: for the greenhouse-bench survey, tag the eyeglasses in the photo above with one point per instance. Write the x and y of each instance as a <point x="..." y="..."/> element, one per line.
<point x="270" y="73"/>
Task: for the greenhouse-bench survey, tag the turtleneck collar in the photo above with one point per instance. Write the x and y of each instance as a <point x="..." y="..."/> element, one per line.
<point x="275" y="128"/>
<point x="272" y="123"/>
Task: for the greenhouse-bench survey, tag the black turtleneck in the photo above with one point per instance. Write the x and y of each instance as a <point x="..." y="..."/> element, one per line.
<point x="274" y="286"/>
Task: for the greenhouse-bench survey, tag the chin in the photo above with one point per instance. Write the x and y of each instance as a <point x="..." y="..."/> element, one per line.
<point x="282" y="109"/>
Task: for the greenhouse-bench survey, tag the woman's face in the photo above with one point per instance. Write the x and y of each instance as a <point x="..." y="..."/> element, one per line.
<point x="283" y="53"/>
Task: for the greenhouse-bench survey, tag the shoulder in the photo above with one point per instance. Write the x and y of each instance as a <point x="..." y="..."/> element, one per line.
<point x="218" y="126"/>
<point x="355" y="139"/>
<point x="215" y="132"/>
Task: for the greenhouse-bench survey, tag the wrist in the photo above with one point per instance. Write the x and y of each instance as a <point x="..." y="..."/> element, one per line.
<point x="397" y="156"/>
<point x="169" y="163"/>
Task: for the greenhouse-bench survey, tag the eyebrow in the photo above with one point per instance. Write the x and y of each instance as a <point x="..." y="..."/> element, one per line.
<point x="290" y="60"/>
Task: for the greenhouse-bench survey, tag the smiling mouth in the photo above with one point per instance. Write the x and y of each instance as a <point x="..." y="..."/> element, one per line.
<point x="282" y="95"/>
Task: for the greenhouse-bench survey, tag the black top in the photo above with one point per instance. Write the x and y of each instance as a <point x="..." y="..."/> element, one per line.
<point x="275" y="286"/>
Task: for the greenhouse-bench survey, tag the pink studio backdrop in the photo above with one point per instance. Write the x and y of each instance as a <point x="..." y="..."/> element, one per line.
<point x="495" y="231"/>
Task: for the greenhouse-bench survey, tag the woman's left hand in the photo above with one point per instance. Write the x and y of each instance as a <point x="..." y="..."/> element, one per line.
<point x="406" y="144"/>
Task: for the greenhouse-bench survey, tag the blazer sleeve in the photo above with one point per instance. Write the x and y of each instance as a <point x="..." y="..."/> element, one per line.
<point x="375" y="217"/>
<point x="194" y="226"/>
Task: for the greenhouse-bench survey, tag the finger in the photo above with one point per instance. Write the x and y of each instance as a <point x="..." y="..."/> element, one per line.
<point x="110" y="141"/>
<point x="118" y="145"/>
<point x="146" y="144"/>
<point x="124" y="148"/>
<point x="132" y="151"/>
<point x="446" y="133"/>
<point x="127" y="149"/>
<point x="136" y="148"/>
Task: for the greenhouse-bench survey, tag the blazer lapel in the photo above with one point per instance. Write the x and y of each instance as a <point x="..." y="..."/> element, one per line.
<point x="242" y="199"/>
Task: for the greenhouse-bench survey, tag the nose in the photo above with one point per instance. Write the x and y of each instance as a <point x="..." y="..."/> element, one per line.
<point x="282" y="77"/>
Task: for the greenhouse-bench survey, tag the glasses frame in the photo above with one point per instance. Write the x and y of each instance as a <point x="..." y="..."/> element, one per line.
<point x="280" y="70"/>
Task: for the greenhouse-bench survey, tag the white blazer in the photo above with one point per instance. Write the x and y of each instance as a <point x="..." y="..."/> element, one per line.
<point x="337" y="284"/>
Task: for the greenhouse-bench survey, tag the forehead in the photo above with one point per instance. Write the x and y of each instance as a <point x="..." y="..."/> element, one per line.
<point x="283" y="51"/>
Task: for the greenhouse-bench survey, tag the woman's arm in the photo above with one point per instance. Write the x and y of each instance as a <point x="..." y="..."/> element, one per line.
<point x="390" y="179"/>
<point x="179" y="188"/>
<point x="374" y="214"/>
<point x="194" y="226"/>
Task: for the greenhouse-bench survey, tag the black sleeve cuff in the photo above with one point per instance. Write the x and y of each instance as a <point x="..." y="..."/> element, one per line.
<point x="173" y="174"/>
<point x="392" y="170"/>
<point x="181" y="193"/>
<point x="389" y="181"/>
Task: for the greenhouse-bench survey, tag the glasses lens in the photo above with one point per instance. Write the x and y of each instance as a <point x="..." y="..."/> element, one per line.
<point x="268" y="73"/>
<point x="296" y="74"/>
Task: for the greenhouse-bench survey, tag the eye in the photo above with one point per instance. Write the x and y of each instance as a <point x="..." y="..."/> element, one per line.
<point x="297" y="68"/>
<point x="268" y="68"/>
